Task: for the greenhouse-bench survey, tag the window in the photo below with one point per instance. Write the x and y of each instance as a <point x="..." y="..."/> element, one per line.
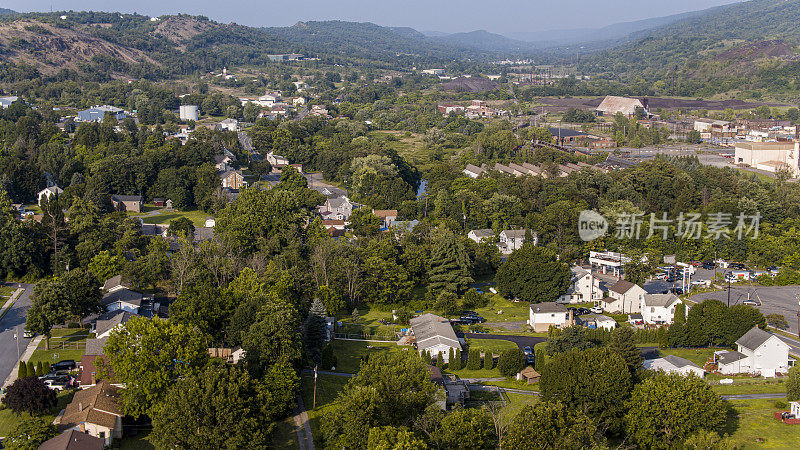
<point x="101" y="434"/>
<point x="652" y="309"/>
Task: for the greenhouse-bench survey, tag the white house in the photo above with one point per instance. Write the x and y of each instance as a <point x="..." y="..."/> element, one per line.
<point x="511" y="240"/>
<point x="544" y="315"/>
<point x="48" y="192"/>
<point x="480" y="235"/>
<point x="624" y="297"/>
<point x="583" y="287"/>
<point x="759" y="352"/>
<point x="674" y="364"/>
<point x="434" y="334"/>
<point x="598" y="321"/>
<point x="659" y="309"/>
<point x="339" y="208"/>
<point x="228" y="125"/>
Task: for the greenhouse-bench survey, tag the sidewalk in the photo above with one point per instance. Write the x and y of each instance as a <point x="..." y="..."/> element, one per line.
<point x="10" y="302"/>
<point x="26" y="355"/>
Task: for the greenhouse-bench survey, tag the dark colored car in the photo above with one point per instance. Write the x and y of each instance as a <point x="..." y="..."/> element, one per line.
<point x="709" y="265"/>
<point x="677" y="291"/>
<point x="527" y="351"/>
<point x="582" y="311"/>
<point x="67" y="364"/>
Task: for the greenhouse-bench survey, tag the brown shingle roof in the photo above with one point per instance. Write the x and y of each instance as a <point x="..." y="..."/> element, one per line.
<point x="95" y="405"/>
<point x="73" y="440"/>
<point x="622" y="286"/>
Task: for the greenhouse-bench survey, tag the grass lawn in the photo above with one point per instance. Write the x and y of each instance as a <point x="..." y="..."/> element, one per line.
<point x="698" y="356"/>
<point x="5" y="293"/>
<point x="508" y="311"/>
<point x="328" y="388"/>
<point x="746" y="385"/>
<point x="284" y="436"/>
<point x="9" y="420"/>
<point x="349" y="353"/>
<point x="516" y="402"/>
<point x="480" y="373"/>
<point x="138" y="442"/>
<point x="513" y="384"/>
<point x="198" y="218"/>
<point x="494" y="346"/>
<point x="756" y="427"/>
<point x="369" y="323"/>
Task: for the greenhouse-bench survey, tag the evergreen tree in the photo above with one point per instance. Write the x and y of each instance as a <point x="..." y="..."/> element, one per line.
<point x="31" y="369"/>
<point x="455" y="364"/>
<point x="316" y="330"/>
<point x="22" y="372"/>
<point x="474" y="360"/>
<point x="451" y="356"/>
<point x="439" y="361"/>
<point x="40" y="369"/>
<point x="538" y="362"/>
<point x="622" y="343"/>
<point x="450" y="264"/>
<point x="488" y="361"/>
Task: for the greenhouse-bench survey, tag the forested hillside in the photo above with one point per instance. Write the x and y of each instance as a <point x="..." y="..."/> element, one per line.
<point x="727" y="48"/>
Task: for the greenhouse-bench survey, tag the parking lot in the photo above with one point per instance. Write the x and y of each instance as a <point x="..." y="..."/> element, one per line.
<point x="774" y="300"/>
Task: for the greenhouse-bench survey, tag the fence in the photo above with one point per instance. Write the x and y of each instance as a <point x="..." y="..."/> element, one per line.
<point x="56" y="345"/>
<point x="366" y="337"/>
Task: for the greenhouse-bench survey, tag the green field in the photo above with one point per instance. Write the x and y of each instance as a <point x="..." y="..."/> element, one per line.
<point x="198" y="218"/>
<point x="9" y="420"/>
<point x="755" y="427"/>
<point x="698" y="356"/>
<point x="349" y="353"/>
<point x="139" y="442"/>
<point x="5" y="293"/>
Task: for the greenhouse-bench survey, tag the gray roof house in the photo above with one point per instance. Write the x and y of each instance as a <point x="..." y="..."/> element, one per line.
<point x="122" y="299"/>
<point x="98" y="113"/>
<point x="106" y="322"/>
<point x="434" y="334"/>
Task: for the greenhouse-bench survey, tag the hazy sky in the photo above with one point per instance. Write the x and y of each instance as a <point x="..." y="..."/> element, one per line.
<point x="440" y="15"/>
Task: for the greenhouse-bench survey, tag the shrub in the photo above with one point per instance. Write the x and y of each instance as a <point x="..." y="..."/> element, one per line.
<point x="30" y="395"/>
<point x="40" y="369"/>
<point x="473" y="300"/>
<point x="780" y="404"/>
<point x="439" y="361"/>
<point x="511" y="361"/>
<point x="474" y="360"/>
<point x="22" y="372"/>
<point x="455" y="363"/>
<point x="31" y="369"/>
<point x="488" y="361"/>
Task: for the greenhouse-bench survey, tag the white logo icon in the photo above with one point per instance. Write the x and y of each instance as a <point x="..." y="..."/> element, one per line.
<point x="591" y="225"/>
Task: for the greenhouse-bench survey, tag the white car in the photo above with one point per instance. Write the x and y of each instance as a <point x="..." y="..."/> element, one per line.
<point x="596" y="310"/>
<point x="55" y="385"/>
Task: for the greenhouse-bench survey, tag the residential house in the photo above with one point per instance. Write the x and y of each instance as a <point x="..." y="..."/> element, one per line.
<point x="233" y="179"/>
<point x="116" y="283"/>
<point x="228" y="125"/>
<point x="758" y="352"/>
<point x="450" y="108"/>
<point x="277" y="161"/>
<point x="545" y="315"/>
<point x="95" y="411"/>
<point x="611" y="105"/>
<point x="148" y="229"/>
<point x="473" y="171"/>
<point x="5" y="102"/>
<point x="222" y="163"/>
<point x="674" y="364"/>
<point x="110" y="321"/>
<point x="49" y="192"/>
<point x="318" y="111"/>
<point x="127" y="202"/>
<point x="229" y="355"/>
<point x="435" y="335"/>
<point x="94" y="346"/>
<point x="124" y="299"/>
<point x="511" y="240"/>
<point x="659" y="309"/>
<point x="481" y="235"/>
<point x="387" y="216"/>
<point x="88" y="371"/>
<point x="504" y="169"/>
<point x="597" y="321"/>
<point x="98" y="114"/>
<point x="770" y="156"/>
<point x="73" y="440"/>
<point x="583" y="287"/>
<point x="624" y="297"/>
<point x="339" y="208"/>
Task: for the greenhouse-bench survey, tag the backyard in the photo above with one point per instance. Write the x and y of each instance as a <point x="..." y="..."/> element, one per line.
<point x="65" y="343"/>
<point x="349" y="354"/>
<point x="754" y="426"/>
<point x="152" y="215"/>
<point x="9" y="420"/>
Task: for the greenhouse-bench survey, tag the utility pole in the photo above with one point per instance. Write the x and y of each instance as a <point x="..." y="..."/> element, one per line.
<point x="315" y="388"/>
<point x="16" y="338"/>
<point x="729" y="292"/>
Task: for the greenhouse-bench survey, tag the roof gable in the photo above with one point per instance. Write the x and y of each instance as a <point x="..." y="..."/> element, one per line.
<point x="755" y="338"/>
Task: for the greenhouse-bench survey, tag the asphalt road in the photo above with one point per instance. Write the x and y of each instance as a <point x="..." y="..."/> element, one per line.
<point x="14" y="321"/>
<point x="774" y="300"/>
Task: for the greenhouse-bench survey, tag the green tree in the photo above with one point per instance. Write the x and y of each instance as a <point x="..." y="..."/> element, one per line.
<point x="275" y="337"/>
<point x="488" y="361"/>
<point x="50" y="307"/>
<point x="469" y="429"/>
<point x="455" y="363"/>
<point x="148" y="374"/>
<point x="181" y="227"/>
<point x="548" y="425"/>
<point x="316" y="330"/>
<point x="393" y="438"/>
<point x="473" y="359"/>
<point x="29" y="434"/>
<point x="570" y="338"/>
<point x="709" y="440"/>
<point x="22" y="371"/>
<point x="364" y="223"/>
<point x="533" y="274"/>
<point x="596" y="382"/>
<point x="390" y="390"/>
<point x="511" y="362"/>
<point x="665" y="409"/>
<point x="539" y="360"/>
<point x="221" y="407"/>
<point x="105" y="265"/>
<point x="793" y="384"/>
<point x="623" y="343"/>
<point x="450" y="266"/>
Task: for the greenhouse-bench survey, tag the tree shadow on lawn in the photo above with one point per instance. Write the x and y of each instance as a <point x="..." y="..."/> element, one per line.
<point x="732" y="419"/>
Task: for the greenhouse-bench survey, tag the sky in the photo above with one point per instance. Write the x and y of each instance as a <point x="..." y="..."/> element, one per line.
<point x="498" y="16"/>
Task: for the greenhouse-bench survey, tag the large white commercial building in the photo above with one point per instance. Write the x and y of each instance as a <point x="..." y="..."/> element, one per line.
<point x="770" y="156"/>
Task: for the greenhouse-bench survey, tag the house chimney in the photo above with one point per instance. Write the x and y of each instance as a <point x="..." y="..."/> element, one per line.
<point x="94" y="378"/>
<point x="80" y="406"/>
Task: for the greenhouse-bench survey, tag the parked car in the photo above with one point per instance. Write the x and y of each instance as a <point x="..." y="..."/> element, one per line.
<point x="67" y="364"/>
<point x="27" y="334"/>
<point x="582" y="311"/>
<point x="752" y="302"/>
<point x="676" y="291"/>
<point x="737" y="266"/>
<point x="54" y="375"/>
<point x="527" y="351"/>
<point x="661" y="276"/>
<point x="56" y="385"/>
<point x="596" y="310"/>
<point x="709" y="265"/>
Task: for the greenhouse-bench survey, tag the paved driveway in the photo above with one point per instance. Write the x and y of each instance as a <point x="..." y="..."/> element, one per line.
<point x="774" y="300"/>
<point x="12" y="322"/>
